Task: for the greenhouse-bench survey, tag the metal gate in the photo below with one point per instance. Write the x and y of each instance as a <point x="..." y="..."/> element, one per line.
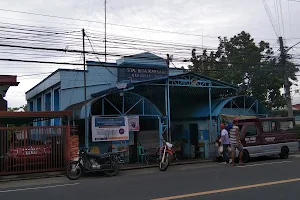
<point x="33" y="149"/>
<point x="213" y="152"/>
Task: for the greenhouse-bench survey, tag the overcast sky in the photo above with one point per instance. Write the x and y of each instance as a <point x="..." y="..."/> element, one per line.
<point x="192" y="17"/>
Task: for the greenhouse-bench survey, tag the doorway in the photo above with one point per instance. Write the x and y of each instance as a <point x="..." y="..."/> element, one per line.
<point x="194" y="140"/>
<point x="194" y="134"/>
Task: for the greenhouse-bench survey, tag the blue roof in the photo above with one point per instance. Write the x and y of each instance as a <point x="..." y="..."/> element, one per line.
<point x="58" y="70"/>
<point x="100" y="64"/>
<point x="146" y="60"/>
<point x="201" y="110"/>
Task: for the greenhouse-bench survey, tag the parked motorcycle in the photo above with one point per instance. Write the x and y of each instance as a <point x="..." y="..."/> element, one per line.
<point x="92" y="162"/>
<point x="166" y="155"/>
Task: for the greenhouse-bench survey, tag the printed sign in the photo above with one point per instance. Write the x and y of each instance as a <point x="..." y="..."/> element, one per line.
<point x="139" y="74"/>
<point x="133" y="122"/>
<point x="109" y="129"/>
<point x="270" y="139"/>
<point x="250" y="140"/>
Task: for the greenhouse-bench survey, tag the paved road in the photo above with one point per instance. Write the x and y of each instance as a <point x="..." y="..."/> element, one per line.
<point x="271" y="179"/>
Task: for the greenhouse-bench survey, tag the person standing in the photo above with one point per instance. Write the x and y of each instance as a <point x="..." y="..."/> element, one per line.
<point x="225" y="142"/>
<point x="235" y="142"/>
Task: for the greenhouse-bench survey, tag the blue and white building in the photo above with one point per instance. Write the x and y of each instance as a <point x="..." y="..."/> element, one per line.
<point x="169" y="102"/>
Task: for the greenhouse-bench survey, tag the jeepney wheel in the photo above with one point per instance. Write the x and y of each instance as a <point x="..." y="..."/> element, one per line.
<point x="246" y="156"/>
<point x="284" y="153"/>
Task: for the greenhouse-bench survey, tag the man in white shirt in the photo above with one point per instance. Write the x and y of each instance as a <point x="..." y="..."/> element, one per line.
<point x="225" y="142"/>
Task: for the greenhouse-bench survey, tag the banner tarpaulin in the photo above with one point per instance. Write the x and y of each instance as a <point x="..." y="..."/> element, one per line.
<point x="109" y="128"/>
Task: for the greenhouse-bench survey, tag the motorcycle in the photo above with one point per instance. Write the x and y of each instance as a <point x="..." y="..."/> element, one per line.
<point x="166" y="154"/>
<point x="92" y="162"/>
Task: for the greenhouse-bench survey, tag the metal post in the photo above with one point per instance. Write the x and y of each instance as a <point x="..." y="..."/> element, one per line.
<point x="84" y="85"/>
<point x="105" y="30"/>
<point x="210" y="117"/>
<point x="123" y="105"/>
<point x="103" y="106"/>
<point x="210" y="120"/>
<point x="169" y="112"/>
<point x="166" y="107"/>
<point x="218" y="125"/>
<point x="160" y="132"/>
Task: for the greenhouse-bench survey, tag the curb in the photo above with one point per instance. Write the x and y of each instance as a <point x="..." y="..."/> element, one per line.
<point x="25" y="177"/>
<point x="172" y="164"/>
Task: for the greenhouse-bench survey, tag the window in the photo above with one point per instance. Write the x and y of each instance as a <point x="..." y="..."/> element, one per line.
<point x="48" y="107"/>
<point x="269" y="126"/>
<point x="286" y="125"/>
<point x="31" y="106"/>
<point x="48" y="102"/>
<point x="56" y="106"/>
<point x="39" y="108"/>
<point x="250" y="130"/>
<point x="39" y="104"/>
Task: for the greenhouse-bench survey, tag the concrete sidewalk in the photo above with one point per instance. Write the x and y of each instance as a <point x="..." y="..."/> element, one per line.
<point x="123" y="168"/>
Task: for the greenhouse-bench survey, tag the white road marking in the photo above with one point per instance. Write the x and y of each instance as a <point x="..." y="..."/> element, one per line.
<point x="269" y="163"/>
<point x="37" y="188"/>
<point x="295" y="156"/>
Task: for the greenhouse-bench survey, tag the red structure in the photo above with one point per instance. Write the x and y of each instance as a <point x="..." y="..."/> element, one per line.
<point x="296" y="106"/>
<point x="25" y="148"/>
<point x="5" y="82"/>
<point x="28" y="149"/>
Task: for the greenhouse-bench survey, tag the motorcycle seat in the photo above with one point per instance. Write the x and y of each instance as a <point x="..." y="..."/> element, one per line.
<point x="100" y="155"/>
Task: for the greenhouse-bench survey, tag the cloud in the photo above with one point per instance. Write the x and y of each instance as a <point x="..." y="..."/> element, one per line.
<point x="209" y="18"/>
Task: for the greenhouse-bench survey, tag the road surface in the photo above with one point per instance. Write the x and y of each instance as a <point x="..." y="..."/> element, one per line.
<point x="270" y="179"/>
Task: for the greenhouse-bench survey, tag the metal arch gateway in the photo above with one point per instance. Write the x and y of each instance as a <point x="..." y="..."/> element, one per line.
<point x="126" y="104"/>
<point x="123" y="103"/>
<point x="245" y="106"/>
<point x="188" y="83"/>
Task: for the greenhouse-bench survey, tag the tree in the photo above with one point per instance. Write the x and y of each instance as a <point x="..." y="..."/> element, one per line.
<point x="24" y="107"/>
<point x="15" y="109"/>
<point x="253" y="67"/>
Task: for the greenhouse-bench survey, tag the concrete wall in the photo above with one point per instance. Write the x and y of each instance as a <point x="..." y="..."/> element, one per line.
<point x="203" y="134"/>
<point x="71" y="84"/>
<point x="97" y="80"/>
<point x="44" y="85"/>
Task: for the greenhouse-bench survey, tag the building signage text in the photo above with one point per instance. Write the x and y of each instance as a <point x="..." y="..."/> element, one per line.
<point x="141" y="73"/>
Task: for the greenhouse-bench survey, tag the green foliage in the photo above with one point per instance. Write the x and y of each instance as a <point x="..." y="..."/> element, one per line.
<point x="253" y="67"/>
<point x="14" y="109"/>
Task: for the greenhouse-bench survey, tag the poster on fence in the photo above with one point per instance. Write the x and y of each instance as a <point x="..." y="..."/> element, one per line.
<point x="109" y="129"/>
<point x="134" y="123"/>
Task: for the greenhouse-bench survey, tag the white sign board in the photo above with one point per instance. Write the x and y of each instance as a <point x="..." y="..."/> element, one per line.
<point x="109" y="129"/>
<point x="134" y="123"/>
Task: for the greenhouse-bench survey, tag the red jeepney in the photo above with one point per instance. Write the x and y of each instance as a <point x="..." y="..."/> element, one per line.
<point x="268" y="137"/>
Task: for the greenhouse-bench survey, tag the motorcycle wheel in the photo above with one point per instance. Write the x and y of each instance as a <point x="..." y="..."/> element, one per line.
<point x="115" y="168"/>
<point x="72" y="172"/>
<point x="164" y="165"/>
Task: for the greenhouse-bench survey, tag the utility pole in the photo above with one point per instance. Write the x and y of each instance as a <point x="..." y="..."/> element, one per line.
<point x="84" y="85"/>
<point x="105" y="30"/>
<point x="287" y="93"/>
<point x="168" y="110"/>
